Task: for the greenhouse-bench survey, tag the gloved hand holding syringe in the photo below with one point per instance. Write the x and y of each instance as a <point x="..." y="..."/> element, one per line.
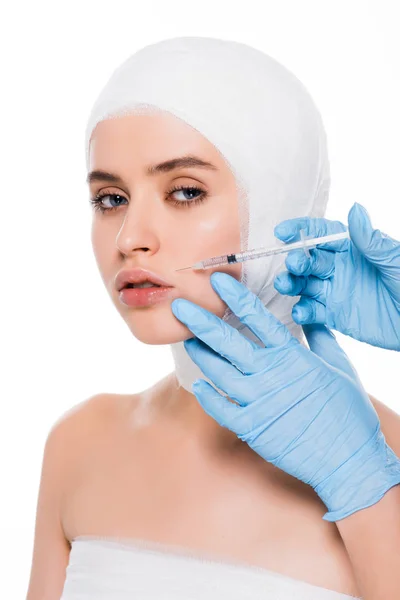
<point x="353" y="288"/>
<point x="304" y="243"/>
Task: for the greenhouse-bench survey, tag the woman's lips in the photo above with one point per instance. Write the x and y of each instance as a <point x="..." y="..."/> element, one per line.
<point x="144" y="296"/>
<point x="136" y="275"/>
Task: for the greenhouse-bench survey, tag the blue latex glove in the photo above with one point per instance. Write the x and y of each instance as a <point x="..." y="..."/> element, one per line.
<point x="352" y="286"/>
<point x="303" y="410"/>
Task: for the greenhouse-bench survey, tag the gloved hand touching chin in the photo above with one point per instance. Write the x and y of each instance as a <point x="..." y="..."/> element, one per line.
<point x="351" y="285"/>
<point x="303" y="410"/>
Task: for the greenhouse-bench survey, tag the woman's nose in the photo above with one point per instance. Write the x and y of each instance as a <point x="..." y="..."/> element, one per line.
<point x="139" y="227"/>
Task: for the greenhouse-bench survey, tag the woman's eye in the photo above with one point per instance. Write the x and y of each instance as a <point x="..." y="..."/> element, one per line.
<point x="191" y="192"/>
<point x="98" y="202"/>
<point x="188" y="190"/>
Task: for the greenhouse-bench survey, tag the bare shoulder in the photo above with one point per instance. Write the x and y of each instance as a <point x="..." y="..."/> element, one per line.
<point x="390" y="424"/>
<point x="71" y="435"/>
<point x="89" y="413"/>
<point x="92" y="407"/>
<point x="51" y="547"/>
<point x="81" y="430"/>
<point x="72" y="427"/>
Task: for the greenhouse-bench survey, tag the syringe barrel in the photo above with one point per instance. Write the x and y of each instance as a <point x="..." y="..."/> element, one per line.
<point x="216" y="261"/>
<point x="221" y="261"/>
<point x="304" y="243"/>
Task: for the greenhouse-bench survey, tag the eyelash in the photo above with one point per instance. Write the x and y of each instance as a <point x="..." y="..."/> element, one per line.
<point x="96" y="201"/>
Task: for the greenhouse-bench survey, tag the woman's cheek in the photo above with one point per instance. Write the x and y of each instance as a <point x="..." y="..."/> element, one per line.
<point x="219" y="235"/>
<point x="216" y="235"/>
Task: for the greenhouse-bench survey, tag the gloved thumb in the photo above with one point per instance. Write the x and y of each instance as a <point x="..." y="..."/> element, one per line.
<point x="369" y="241"/>
<point x="323" y="343"/>
<point x="382" y="251"/>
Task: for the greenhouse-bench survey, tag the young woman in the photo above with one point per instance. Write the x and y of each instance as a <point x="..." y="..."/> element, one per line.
<point x="144" y="495"/>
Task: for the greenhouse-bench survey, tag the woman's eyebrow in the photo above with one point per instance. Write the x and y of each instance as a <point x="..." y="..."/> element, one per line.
<point x="164" y="167"/>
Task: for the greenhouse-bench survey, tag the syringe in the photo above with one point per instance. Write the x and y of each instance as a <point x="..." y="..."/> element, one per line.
<point x="304" y="243"/>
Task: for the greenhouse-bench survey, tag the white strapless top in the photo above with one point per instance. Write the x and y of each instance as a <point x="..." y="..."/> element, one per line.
<point x="106" y="568"/>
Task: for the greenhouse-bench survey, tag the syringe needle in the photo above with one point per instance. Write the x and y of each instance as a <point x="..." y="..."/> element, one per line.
<point x="184" y="269"/>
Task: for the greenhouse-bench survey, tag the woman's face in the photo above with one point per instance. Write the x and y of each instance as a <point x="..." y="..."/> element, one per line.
<point x="147" y="224"/>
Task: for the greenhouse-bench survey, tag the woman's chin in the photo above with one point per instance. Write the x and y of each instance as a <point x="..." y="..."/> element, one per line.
<point x="157" y="325"/>
<point x="166" y="333"/>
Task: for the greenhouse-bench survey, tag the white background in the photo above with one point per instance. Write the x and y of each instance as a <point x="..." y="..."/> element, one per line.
<point x="62" y="339"/>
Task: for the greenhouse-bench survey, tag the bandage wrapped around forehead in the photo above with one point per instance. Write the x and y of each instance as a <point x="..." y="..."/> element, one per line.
<point x="265" y="124"/>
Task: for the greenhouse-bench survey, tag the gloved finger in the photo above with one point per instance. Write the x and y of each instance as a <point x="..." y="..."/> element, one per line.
<point x="322" y="342"/>
<point x="218" y="335"/>
<point x="289" y="231"/>
<point x="218" y="370"/>
<point x="377" y="247"/>
<point x="214" y="404"/>
<point x="309" y="311"/>
<point x="320" y="263"/>
<point x="251" y="311"/>
<point x="293" y="285"/>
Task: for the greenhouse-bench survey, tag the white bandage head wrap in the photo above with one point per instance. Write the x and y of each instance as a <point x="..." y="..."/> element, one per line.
<point x="262" y="120"/>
